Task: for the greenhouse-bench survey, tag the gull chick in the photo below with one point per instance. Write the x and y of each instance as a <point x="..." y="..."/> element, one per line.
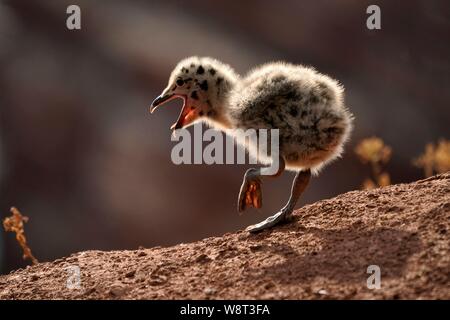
<point x="306" y="107"/>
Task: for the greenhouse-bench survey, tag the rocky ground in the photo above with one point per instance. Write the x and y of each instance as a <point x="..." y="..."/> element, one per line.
<point x="323" y="253"/>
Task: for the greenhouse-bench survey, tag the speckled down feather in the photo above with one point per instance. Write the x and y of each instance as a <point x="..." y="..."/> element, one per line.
<point x="306" y="106"/>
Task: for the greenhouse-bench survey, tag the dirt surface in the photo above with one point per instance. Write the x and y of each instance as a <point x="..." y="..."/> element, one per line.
<point x="322" y="254"/>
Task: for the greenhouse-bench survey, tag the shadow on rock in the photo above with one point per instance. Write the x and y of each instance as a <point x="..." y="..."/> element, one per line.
<point x="343" y="255"/>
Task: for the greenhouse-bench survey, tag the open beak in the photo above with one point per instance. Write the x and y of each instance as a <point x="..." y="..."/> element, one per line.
<point x="163" y="98"/>
<point x="187" y="114"/>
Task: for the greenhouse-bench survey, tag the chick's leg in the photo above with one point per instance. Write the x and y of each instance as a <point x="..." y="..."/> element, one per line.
<point x="250" y="194"/>
<point x="299" y="184"/>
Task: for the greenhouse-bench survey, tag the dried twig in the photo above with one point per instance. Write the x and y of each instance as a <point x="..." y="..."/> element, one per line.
<point x="377" y="154"/>
<point x="15" y="223"/>
<point x="435" y="158"/>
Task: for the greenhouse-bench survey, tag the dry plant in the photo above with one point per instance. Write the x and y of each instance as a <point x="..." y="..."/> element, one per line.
<point x="435" y="159"/>
<point x="374" y="152"/>
<point x="15" y="223"/>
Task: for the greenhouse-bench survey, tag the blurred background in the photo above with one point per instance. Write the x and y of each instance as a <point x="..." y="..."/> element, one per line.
<point x="83" y="159"/>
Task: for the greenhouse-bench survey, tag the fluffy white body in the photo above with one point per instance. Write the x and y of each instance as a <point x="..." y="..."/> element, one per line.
<point x="306" y="107"/>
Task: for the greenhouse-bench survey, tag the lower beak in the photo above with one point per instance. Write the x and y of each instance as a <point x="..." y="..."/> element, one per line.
<point x="187" y="115"/>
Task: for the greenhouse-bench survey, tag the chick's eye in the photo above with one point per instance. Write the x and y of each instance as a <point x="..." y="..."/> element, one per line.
<point x="180" y="82"/>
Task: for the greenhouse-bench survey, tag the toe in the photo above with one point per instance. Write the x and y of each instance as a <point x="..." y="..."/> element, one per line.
<point x="256" y="198"/>
<point x="243" y="199"/>
<point x="268" y="223"/>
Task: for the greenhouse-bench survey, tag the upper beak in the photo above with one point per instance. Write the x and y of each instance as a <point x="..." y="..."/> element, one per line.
<point x="160" y="100"/>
